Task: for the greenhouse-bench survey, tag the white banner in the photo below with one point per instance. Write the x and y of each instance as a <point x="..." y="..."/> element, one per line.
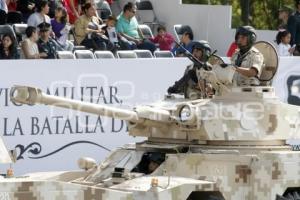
<point x="288" y="75"/>
<point x="48" y="138"/>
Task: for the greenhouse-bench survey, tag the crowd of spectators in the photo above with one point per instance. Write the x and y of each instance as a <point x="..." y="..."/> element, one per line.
<point x="51" y="23"/>
<point x="288" y="36"/>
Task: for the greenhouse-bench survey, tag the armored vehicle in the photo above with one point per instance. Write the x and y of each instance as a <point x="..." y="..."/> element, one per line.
<point x="230" y="146"/>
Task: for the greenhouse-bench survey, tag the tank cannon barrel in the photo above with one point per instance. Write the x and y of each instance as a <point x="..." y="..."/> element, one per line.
<point x="32" y="96"/>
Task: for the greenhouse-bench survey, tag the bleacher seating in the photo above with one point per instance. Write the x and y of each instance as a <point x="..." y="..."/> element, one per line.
<point x="65" y="55"/>
<point x="79" y="47"/>
<point x="143" y="53"/>
<point x="20" y="31"/>
<point x="104" y="55"/>
<point x="126" y="54"/>
<point x="103" y="10"/>
<point x="3" y="17"/>
<point x="84" y="54"/>
<point x="163" y="54"/>
<point x="14" y="17"/>
<point x="13" y="24"/>
<point x="146" y="14"/>
<point x="146" y="31"/>
<point x="7" y="29"/>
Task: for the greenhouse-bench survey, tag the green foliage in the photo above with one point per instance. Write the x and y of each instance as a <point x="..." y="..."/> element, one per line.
<point x="263" y="14"/>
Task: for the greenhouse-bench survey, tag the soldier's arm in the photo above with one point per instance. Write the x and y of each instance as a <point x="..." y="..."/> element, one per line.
<point x="253" y="70"/>
<point x="249" y="72"/>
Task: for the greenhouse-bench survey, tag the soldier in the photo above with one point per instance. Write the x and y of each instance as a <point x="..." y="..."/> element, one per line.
<point x="155" y="160"/>
<point x="45" y="43"/>
<point x="201" y="51"/>
<point x="248" y="61"/>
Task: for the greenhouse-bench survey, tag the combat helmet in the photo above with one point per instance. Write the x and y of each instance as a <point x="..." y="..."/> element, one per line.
<point x="156" y="157"/>
<point x="204" y="46"/>
<point x="248" y="31"/>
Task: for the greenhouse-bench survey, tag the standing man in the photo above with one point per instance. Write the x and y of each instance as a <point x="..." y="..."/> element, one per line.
<point x="3" y="6"/>
<point x="131" y="35"/>
<point x="248" y="61"/>
<point x="293" y="25"/>
<point x="283" y="16"/>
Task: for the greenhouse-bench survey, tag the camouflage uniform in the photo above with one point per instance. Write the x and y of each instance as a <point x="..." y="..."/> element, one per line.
<point x="252" y="58"/>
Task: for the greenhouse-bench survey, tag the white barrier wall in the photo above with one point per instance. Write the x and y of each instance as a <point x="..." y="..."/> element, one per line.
<point x="48" y="138"/>
<point x="211" y="23"/>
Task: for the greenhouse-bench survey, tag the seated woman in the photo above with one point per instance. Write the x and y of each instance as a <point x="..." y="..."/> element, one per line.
<point x="88" y="31"/>
<point x="61" y="28"/>
<point x="29" y="46"/>
<point x="8" y="47"/>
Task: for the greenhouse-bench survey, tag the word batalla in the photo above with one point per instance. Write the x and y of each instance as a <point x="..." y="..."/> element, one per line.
<point x="61" y="125"/>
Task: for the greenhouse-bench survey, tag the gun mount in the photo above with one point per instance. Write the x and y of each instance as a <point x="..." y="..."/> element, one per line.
<point x="245" y="115"/>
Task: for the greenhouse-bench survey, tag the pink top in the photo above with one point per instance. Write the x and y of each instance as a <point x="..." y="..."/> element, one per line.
<point x="165" y="43"/>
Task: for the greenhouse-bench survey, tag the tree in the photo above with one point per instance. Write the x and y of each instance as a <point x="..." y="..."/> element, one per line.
<point x="261" y="14"/>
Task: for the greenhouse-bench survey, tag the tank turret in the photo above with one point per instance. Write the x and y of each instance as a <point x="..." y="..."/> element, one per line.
<point x="243" y="115"/>
<point x="228" y="146"/>
<point x="235" y="115"/>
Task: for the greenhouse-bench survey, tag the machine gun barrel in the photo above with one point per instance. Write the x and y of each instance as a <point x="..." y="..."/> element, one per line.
<point x="32" y="96"/>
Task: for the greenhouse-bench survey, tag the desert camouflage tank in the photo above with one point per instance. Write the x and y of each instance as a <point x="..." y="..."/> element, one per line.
<point x="231" y="146"/>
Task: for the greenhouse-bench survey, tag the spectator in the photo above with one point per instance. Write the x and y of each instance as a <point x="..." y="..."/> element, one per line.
<point x="164" y="39"/>
<point x="12" y="5"/>
<point x="283" y="39"/>
<point x="127" y="27"/>
<point x="233" y="47"/>
<point x="52" y="6"/>
<point x="3" y="6"/>
<point x="8" y="47"/>
<point x="29" y="47"/>
<point x="122" y="3"/>
<point x="293" y="25"/>
<point x="26" y="7"/>
<point x="73" y="9"/>
<point x="40" y="16"/>
<point x="110" y="2"/>
<point x="45" y="43"/>
<point x="88" y="32"/>
<point x="110" y="31"/>
<point x="186" y="41"/>
<point x="283" y="16"/>
<point x="61" y="28"/>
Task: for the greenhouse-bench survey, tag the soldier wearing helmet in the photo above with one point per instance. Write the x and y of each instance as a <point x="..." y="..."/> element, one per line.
<point x="247" y="60"/>
<point x="201" y="51"/>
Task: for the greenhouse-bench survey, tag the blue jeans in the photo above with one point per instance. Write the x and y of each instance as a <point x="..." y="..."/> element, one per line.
<point x="130" y="45"/>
